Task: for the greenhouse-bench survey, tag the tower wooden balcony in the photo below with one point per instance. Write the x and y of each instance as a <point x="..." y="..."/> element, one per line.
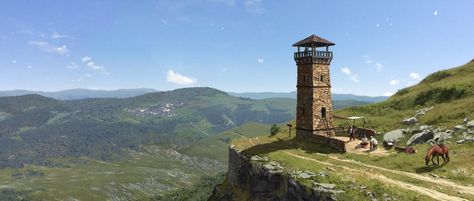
<point x="308" y="53"/>
<point x="313" y="56"/>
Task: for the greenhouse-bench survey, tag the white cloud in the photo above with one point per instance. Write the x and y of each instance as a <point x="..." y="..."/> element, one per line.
<point x="29" y="67"/>
<point x="254" y="6"/>
<point x="61" y="50"/>
<point x="45" y="46"/>
<point x="179" y="79"/>
<point x="379" y="66"/>
<point x="394" y="82"/>
<point x="377" y="25"/>
<point x="260" y="60"/>
<point x="354" y="78"/>
<point x="368" y="61"/>
<point x="346" y="71"/>
<point x="86" y="59"/>
<point x="14" y="62"/>
<point x="414" y="76"/>
<point x="388" y="93"/>
<point x="435" y="13"/>
<point x="92" y="65"/>
<point x="56" y="35"/>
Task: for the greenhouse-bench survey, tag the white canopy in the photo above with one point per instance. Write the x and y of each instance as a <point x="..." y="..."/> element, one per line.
<point x="348" y="118"/>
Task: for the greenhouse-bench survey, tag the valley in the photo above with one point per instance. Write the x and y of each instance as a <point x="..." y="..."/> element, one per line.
<point x="128" y="148"/>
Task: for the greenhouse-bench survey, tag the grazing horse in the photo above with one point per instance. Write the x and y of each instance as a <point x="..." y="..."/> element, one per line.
<point x="437" y="150"/>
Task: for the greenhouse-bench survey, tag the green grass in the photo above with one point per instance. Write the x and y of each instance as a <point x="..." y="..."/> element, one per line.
<point x="217" y="146"/>
<point x="89" y="179"/>
<point x="451" y="92"/>
<point x="278" y="147"/>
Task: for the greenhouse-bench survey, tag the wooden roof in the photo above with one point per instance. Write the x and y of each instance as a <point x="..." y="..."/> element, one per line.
<point x="313" y="41"/>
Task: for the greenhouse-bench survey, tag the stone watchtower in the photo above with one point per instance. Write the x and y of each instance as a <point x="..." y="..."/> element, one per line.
<point x="314" y="114"/>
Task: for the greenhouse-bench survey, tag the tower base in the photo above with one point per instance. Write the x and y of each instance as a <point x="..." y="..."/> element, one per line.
<point x="321" y="137"/>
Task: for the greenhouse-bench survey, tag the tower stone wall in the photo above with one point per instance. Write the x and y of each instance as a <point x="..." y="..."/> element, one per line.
<point x="314" y="111"/>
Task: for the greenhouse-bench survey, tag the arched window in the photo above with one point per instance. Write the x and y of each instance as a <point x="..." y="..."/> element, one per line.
<point x="323" y="112"/>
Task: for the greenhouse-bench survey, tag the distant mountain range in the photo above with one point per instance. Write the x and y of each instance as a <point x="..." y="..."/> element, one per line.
<point x="78" y="94"/>
<point x="336" y="97"/>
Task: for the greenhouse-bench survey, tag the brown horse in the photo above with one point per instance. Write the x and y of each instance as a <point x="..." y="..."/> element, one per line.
<point x="437" y="150"/>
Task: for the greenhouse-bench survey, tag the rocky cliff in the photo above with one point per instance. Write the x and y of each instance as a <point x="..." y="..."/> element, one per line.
<point x="257" y="178"/>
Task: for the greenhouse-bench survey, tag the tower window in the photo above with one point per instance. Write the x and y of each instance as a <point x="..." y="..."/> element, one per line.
<point x="303" y="111"/>
<point x="322" y="78"/>
<point x="323" y="112"/>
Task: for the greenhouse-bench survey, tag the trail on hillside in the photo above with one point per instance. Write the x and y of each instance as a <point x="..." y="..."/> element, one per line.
<point x="422" y="190"/>
<point x="461" y="188"/>
<point x="199" y="130"/>
<point x="425" y="191"/>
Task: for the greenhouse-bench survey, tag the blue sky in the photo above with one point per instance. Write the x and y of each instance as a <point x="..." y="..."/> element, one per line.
<point x="232" y="45"/>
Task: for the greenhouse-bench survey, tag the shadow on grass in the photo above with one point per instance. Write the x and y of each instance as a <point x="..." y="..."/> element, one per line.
<point x="429" y="168"/>
<point x="288" y="144"/>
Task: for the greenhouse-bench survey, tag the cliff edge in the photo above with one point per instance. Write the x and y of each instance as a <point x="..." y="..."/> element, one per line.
<point x="258" y="178"/>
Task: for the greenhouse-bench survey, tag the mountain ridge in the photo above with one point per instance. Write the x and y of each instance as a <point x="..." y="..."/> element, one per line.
<point x="77" y="94"/>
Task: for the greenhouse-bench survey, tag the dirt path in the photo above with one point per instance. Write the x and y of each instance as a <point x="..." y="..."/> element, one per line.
<point x="422" y="190"/>
<point x="444" y="182"/>
<point x="425" y="191"/>
<point x="199" y="130"/>
<point x="355" y="148"/>
<point x="251" y="142"/>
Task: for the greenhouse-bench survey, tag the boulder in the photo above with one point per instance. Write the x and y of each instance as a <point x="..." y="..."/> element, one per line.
<point x="420" y="129"/>
<point x="410" y="121"/>
<point x="470" y="124"/>
<point x="420" y="138"/>
<point x="393" y="135"/>
<point x="441" y="136"/>
<point x="423" y="111"/>
<point x="466" y="139"/>
<point x="459" y="127"/>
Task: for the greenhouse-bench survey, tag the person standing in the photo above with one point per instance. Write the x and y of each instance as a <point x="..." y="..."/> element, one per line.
<point x="373" y="143"/>
<point x="351" y="133"/>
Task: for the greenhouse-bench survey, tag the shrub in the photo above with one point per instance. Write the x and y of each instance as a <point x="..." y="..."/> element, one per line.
<point x="436" y="77"/>
<point x="402" y="92"/>
<point x="439" y="95"/>
<point x="274" y="129"/>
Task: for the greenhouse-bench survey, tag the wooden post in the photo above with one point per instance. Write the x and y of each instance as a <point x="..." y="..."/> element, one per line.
<point x="289" y="129"/>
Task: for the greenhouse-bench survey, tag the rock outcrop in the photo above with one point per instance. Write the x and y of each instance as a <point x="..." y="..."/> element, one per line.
<point x="393" y="135"/>
<point x="257" y="178"/>
<point x="420" y="138"/>
<point x="410" y="121"/>
<point x="470" y="124"/>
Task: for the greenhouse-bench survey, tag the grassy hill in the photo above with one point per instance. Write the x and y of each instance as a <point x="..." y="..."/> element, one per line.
<point x="390" y="176"/>
<point x="451" y="92"/>
<point x="135" y="147"/>
<point x="132" y="148"/>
